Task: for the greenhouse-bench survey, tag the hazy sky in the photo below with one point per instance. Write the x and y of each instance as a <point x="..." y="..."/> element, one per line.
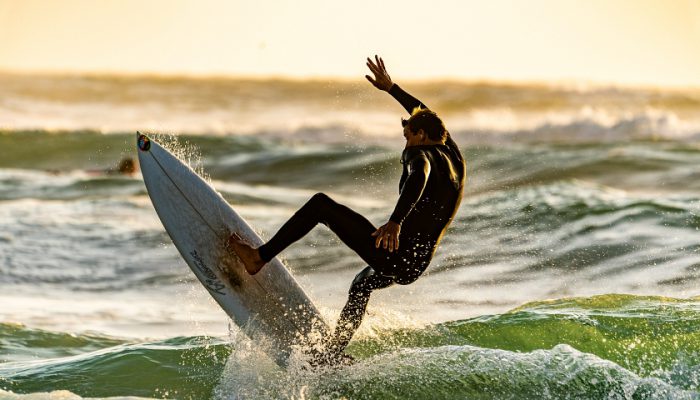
<point x="625" y="41"/>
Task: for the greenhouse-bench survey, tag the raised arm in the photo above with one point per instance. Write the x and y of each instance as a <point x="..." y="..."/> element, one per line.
<point x="387" y="235"/>
<point x="407" y="101"/>
<point x="382" y="81"/>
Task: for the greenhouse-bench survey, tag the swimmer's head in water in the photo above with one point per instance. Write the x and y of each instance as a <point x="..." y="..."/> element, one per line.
<point x="127" y="166"/>
<point x="428" y="121"/>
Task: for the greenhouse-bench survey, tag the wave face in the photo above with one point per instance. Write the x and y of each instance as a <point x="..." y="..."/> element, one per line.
<point x="602" y="347"/>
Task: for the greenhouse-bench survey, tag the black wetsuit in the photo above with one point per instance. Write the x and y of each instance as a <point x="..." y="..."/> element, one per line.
<point x="430" y="193"/>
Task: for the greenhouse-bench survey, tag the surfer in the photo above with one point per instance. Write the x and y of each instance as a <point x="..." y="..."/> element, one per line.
<point x="399" y="251"/>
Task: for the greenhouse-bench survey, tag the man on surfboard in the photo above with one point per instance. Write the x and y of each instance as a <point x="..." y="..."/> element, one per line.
<point x="399" y="251"/>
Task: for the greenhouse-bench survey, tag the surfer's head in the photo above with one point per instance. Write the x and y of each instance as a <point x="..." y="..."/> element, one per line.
<point x="423" y="126"/>
<point x="127" y="166"/>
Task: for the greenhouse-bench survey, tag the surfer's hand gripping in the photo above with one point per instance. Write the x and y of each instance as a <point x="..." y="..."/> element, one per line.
<point x="388" y="234"/>
<point x="382" y="80"/>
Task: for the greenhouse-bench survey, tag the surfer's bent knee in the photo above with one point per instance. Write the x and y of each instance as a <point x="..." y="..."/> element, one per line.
<point x="320" y="197"/>
<point x="364" y="274"/>
<point x="361" y="283"/>
<point x="410" y="276"/>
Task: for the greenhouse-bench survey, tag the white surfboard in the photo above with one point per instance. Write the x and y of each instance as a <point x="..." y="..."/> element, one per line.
<point x="270" y="306"/>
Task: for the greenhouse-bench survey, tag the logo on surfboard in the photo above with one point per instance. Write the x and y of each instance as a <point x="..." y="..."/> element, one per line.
<point x="211" y="281"/>
<point x="143" y="142"/>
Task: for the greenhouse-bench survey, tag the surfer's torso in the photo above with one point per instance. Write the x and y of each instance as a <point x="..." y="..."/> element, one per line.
<point x="442" y="193"/>
<point x="424" y="221"/>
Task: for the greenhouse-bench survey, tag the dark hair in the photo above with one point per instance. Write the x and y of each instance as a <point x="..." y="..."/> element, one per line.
<point x="428" y="121"/>
<point x="127" y="166"/>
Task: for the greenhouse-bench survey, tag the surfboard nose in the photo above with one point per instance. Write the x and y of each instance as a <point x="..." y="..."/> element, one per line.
<point x="143" y="142"/>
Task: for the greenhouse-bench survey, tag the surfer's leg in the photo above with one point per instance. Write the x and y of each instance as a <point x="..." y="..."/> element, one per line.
<point x="353" y="312"/>
<point x="352" y="228"/>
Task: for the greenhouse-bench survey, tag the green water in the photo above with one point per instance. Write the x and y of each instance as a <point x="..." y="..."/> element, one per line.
<point x="610" y="346"/>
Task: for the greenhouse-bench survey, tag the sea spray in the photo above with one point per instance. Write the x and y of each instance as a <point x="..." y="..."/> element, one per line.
<point x="505" y="356"/>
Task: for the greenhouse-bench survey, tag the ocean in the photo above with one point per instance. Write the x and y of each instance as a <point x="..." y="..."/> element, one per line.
<point x="571" y="271"/>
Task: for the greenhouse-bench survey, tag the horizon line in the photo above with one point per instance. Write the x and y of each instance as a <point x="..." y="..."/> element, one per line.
<point x="585" y="83"/>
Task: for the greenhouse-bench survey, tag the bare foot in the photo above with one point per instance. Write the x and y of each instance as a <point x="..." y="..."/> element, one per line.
<point x="250" y="256"/>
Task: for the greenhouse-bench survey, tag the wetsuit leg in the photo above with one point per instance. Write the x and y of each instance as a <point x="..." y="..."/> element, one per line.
<point x="350" y="227"/>
<point x="353" y="312"/>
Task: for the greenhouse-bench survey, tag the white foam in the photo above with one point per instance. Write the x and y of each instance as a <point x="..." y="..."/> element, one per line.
<point x="58" y="395"/>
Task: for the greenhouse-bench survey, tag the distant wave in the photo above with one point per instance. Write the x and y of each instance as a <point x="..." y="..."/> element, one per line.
<point x="485" y="127"/>
<point x="585" y="127"/>
<point x="342" y="111"/>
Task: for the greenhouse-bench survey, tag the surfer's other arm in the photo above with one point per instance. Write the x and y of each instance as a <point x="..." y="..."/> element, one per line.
<point x="419" y="170"/>
<point x="412" y="189"/>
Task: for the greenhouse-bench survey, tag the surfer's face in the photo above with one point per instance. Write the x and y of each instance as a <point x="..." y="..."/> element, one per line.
<point x="413" y="138"/>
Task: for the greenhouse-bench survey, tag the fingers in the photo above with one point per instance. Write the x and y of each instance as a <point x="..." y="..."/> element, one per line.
<point x="393" y="242"/>
<point x="383" y="238"/>
<point x="379" y="233"/>
<point x="372" y="81"/>
<point x="386" y="240"/>
<point x="376" y="64"/>
<point x="372" y="66"/>
<point x="380" y="64"/>
<point x="375" y="70"/>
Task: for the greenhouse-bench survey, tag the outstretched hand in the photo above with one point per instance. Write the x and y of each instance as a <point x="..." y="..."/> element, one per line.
<point x="389" y="235"/>
<point x="382" y="80"/>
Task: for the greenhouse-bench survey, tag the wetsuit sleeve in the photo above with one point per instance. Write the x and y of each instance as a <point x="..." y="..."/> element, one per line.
<point x="407" y="101"/>
<point x="418" y="172"/>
